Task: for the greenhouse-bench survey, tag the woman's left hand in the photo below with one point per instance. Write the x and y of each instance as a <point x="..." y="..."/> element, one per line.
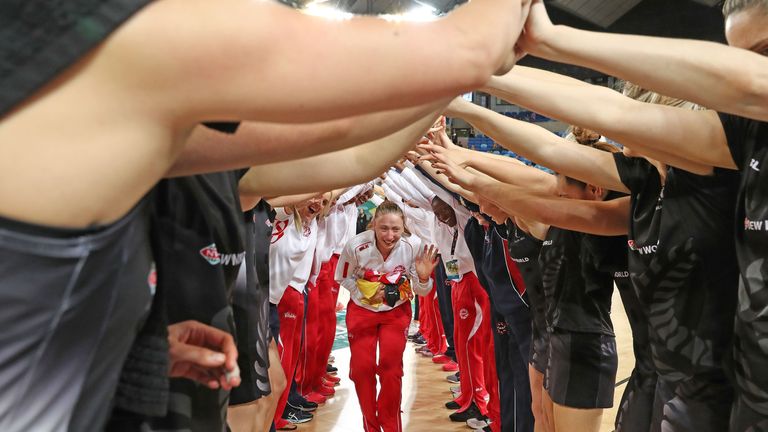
<point x="426" y="262"/>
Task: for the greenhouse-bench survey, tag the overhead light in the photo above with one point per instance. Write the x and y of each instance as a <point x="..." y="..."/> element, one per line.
<point x="318" y="8"/>
<point x="421" y="13"/>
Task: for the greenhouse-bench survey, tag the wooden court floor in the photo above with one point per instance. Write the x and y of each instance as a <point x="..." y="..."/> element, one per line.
<point x="425" y="390"/>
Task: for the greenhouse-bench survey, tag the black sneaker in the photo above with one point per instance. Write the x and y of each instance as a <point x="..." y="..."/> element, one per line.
<point x="463" y="416"/>
<point x="297" y="416"/>
<point x="298" y="402"/>
<point x="452" y="405"/>
<point x="419" y="340"/>
<point x="414" y="336"/>
<point x="331" y="369"/>
<point x="453" y="378"/>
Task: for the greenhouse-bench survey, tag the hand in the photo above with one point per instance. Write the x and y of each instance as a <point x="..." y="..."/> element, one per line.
<point x="497" y="214"/>
<point x="426" y="262"/>
<point x="378" y="298"/>
<point x="454" y="172"/>
<point x="538" y="29"/>
<point x="204" y="354"/>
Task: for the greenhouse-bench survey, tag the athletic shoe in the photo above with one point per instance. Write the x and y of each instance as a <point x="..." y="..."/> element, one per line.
<point x="326" y="391"/>
<point x="297" y="416"/>
<point x="330" y="384"/>
<point x="285" y="425"/>
<point x="454" y="379"/>
<point x="412" y="336"/>
<point x="451" y="366"/>
<point x="298" y="402"/>
<point x="419" y="340"/>
<point x="463" y="416"/>
<point x="485" y="429"/>
<point x="452" y="405"/>
<point x="331" y="378"/>
<point x="426" y="352"/>
<point x="441" y="359"/>
<point x="455" y="389"/>
<point x="315" y="397"/>
<point x="331" y="359"/>
<point x="479" y="423"/>
<point x="331" y="369"/>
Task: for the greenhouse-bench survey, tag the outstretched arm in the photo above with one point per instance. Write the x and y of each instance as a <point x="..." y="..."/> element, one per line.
<point x="332" y="170"/>
<point x="542" y="146"/>
<point x="594" y="217"/>
<point x="257" y="143"/>
<point x="234" y="67"/>
<point x="724" y="78"/>
<point x="671" y="135"/>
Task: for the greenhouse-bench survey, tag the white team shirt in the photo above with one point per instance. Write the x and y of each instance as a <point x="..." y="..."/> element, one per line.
<point x="291" y="252"/>
<point x="361" y="254"/>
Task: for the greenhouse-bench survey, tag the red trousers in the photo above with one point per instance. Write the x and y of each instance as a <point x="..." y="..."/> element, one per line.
<point x="430" y="322"/>
<point x="308" y="378"/>
<point x="329" y="293"/>
<point x="291" y="310"/>
<point x="387" y="330"/>
<point x="471" y="332"/>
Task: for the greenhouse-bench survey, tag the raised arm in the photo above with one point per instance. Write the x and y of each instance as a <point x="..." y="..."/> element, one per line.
<point x="724" y="78"/>
<point x="257" y="143"/>
<point x="542" y="146"/>
<point x="335" y="169"/>
<point x="675" y="136"/>
<point x="235" y="67"/>
<point x="593" y="217"/>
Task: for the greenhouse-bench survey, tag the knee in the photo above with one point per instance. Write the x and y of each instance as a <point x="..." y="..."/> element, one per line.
<point x="359" y="371"/>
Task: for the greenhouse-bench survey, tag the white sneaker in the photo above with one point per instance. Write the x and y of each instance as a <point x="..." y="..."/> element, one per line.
<point x="331" y="359"/>
<point x="478" y="423"/>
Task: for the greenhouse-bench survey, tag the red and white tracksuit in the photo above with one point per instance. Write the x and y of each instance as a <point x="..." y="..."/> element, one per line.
<point x="291" y="253"/>
<point x="384" y="327"/>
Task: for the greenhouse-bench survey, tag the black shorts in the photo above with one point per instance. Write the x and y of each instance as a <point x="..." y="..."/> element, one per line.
<point x="72" y="304"/>
<point x="581" y="369"/>
<point x="539" y="347"/>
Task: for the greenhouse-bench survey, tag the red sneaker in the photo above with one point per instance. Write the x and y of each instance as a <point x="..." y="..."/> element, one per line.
<point x="315" y="397"/>
<point x="330" y="384"/>
<point x="326" y="391"/>
<point x="331" y="378"/>
<point x="451" y="366"/>
<point x="441" y="359"/>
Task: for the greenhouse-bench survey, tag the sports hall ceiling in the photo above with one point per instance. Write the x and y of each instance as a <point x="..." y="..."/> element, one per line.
<point x="697" y="19"/>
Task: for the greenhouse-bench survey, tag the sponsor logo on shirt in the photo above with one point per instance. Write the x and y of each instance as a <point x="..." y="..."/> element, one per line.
<point x="755" y="165"/>
<point x="278" y="231"/>
<point x="760" y="225"/>
<point x="501" y="327"/>
<point x="289" y="315"/>
<point x="548" y="243"/>
<point x="623" y="274"/>
<point x="212" y="255"/>
<point x="399" y="268"/>
<point x="463" y="313"/>
<point x="152" y="279"/>
<point x="363" y="246"/>
<point x="643" y="250"/>
<point x="521" y="260"/>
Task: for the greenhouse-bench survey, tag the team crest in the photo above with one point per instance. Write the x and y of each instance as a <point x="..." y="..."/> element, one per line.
<point x="211" y="254"/>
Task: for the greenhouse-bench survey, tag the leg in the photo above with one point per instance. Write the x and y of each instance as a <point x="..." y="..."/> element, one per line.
<point x="306" y="375"/>
<point x="266" y="406"/>
<point x="362" y="327"/>
<point x="291" y="310"/>
<point x="468" y="334"/>
<point x="575" y="419"/>
<point x="537" y="405"/>
<point x="392" y="338"/>
<point x="444" y="299"/>
<point x="519" y="339"/>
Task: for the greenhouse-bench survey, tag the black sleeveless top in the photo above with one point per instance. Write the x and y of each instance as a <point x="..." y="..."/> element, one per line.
<point x="41" y="38"/>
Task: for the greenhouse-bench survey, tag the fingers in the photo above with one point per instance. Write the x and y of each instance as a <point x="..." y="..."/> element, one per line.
<point x="184" y="353"/>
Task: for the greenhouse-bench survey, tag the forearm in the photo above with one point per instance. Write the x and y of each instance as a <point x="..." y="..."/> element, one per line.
<point x="289" y="200"/>
<point x="258" y="143"/>
<point x="332" y="170"/>
<point x="711" y="74"/>
<point x="593" y="217"/>
<point x="512" y="172"/>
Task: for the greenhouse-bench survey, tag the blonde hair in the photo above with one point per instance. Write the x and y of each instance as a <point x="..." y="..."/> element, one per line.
<point x="641" y="94"/>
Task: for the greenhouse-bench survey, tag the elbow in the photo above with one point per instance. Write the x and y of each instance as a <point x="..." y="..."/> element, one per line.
<point x="754" y="95"/>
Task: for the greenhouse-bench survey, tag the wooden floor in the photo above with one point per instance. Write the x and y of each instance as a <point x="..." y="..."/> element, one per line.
<point x="425" y="390"/>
